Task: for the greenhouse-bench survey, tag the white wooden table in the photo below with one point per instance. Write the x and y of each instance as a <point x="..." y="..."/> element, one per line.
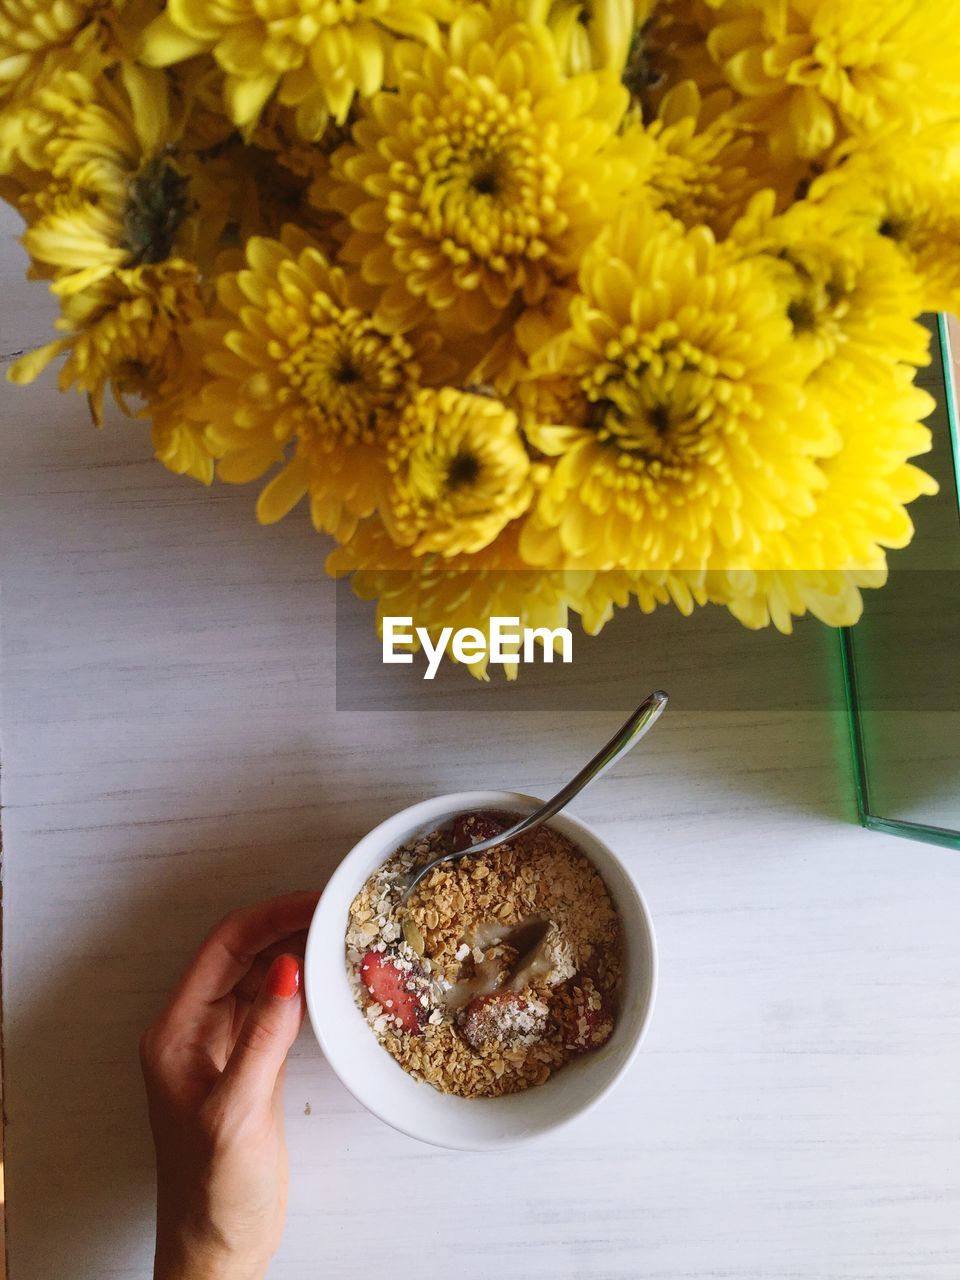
<point x="172" y="748"/>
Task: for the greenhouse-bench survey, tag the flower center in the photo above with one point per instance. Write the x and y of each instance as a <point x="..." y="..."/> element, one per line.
<point x="894" y="228"/>
<point x="487" y="181"/>
<point x="659" y="418"/>
<point x="821" y="307"/>
<point x="660" y="431"/>
<point x="460" y="471"/>
<point x="463" y="470"/>
<point x="132" y="374"/>
<point x="802" y="315"/>
<point x="345" y="373"/>
<point x="659" y="403"/>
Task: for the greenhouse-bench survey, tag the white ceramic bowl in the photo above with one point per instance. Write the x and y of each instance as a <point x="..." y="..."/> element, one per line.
<point x="384" y="1088"/>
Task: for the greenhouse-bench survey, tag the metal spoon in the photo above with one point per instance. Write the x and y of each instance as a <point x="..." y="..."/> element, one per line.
<point x="624" y="740"/>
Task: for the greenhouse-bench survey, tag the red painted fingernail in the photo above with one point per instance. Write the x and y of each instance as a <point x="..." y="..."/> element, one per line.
<point x="283" y="978"/>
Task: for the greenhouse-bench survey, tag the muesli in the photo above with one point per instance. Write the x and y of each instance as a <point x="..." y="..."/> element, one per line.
<point x="498" y="970"/>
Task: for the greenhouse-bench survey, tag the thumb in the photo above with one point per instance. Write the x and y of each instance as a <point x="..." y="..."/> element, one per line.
<point x="268" y="1031"/>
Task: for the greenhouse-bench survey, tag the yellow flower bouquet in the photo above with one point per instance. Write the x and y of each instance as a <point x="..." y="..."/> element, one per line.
<point x="540" y="305"/>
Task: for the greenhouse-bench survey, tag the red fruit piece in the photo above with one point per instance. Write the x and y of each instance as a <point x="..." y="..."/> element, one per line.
<point x="503" y="1016"/>
<point x="386" y="985"/>
<point x="471" y="828"/>
<point x="587" y="1024"/>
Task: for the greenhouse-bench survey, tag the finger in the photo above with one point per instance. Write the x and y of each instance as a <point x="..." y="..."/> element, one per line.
<point x="246" y="989"/>
<point x="269" y="1029"/>
<point x="228" y="952"/>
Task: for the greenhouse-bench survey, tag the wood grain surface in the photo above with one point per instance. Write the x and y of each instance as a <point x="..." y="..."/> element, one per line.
<point x="175" y="743"/>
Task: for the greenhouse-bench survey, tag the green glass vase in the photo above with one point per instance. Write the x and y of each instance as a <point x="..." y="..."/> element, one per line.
<point x="902" y="660"/>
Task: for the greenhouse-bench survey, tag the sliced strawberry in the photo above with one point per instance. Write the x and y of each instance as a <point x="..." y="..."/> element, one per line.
<point x="503" y="1016"/>
<point x="386" y="985"/>
<point x="587" y="1023"/>
<point x="471" y="828"/>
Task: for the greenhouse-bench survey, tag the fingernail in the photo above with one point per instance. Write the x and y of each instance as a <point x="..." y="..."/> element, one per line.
<point x="283" y="977"/>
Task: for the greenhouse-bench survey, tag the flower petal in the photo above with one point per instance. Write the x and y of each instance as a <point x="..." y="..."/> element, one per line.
<point x="283" y="492"/>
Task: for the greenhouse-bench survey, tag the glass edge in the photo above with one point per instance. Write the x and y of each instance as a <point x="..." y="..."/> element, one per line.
<point x="891" y="826"/>
<point x="947" y="356"/>
<point x="913" y="831"/>
<point x="854" y="723"/>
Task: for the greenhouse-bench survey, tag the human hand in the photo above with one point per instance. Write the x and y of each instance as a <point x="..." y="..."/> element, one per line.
<point x="214" y="1063"/>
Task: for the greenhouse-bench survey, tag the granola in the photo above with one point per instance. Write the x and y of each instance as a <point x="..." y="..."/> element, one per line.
<point x="498" y="970"/>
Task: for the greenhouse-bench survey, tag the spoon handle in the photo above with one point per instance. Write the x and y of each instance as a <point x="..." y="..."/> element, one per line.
<point x="626" y="737"/>
<point x="624" y="740"/>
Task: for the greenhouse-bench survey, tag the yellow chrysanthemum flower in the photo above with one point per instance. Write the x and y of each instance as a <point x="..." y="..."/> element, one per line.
<point x="31" y="30"/>
<point x="862" y="509"/>
<point x="179" y="443"/>
<point x="115" y="199"/>
<point x="298" y="365"/>
<point x="38" y="42"/>
<point x="819" y="563"/>
<point x="178" y="429"/>
<point x="467" y="591"/>
<point x="769" y="597"/>
<point x="595" y="34"/>
<point x="25" y="127"/>
<point x="482" y="177"/>
<point x="459" y="591"/>
<point x="459" y="473"/>
<point x="318" y="56"/>
<point x="813" y="71"/>
<point x="546" y="306"/>
<point x="849" y="296"/>
<point x="909" y="194"/>
<point x="695" y="441"/>
<point x="756" y="598"/>
<point x="599" y="594"/>
<point x="127" y="331"/>
<point x="693" y="160"/>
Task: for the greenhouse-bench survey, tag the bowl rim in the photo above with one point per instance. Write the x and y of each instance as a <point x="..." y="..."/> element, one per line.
<point x="414" y="816"/>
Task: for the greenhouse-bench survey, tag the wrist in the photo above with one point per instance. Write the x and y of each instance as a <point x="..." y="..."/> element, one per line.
<point x="187" y="1256"/>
